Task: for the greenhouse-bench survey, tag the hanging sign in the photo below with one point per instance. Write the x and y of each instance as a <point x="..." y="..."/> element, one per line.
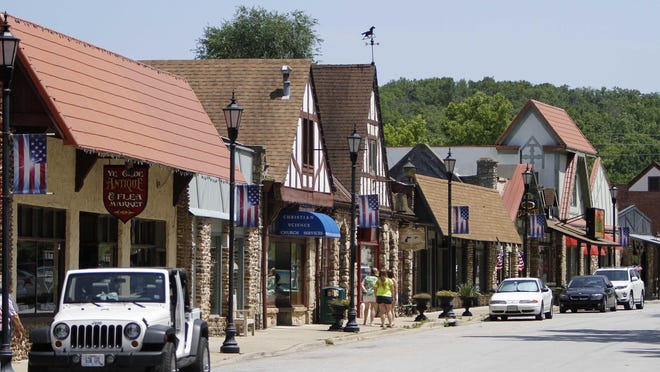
<point x="125" y="190"/>
<point x="412" y="238"/>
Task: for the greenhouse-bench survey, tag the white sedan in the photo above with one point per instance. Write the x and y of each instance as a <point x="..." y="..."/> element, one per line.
<point x="521" y="297"/>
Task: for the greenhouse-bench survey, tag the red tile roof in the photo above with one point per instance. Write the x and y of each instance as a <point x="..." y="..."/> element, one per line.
<point x="108" y="104"/>
<point x="514" y="190"/>
<point x="559" y="122"/>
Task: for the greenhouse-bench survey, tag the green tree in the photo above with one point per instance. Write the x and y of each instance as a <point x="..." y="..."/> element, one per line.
<point x="479" y="120"/>
<point x="258" y="33"/>
<point x="407" y="133"/>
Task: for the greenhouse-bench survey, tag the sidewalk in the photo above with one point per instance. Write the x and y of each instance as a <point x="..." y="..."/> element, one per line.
<point x="282" y="340"/>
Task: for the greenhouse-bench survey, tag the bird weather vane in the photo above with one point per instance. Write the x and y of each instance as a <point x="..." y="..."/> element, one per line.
<point x="369" y="34"/>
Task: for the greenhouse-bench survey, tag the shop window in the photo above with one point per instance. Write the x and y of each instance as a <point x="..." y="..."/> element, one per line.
<point x="147" y="243"/>
<point x="40" y="258"/>
<point x="98" y="240"/>
<point x="285" y="274"/>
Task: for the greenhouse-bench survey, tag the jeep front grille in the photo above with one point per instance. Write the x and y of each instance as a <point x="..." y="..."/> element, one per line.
<point x="92" y="337"/>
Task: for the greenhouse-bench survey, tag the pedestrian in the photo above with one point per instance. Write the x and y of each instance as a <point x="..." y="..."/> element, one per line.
<point x="369" y="296"/>
<point x="13" y="317"/>
<point x="395" y="294"/>
<point x="383" y="288"/>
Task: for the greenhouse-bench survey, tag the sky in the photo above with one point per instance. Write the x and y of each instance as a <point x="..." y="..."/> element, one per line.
<point x="585" y="43"/>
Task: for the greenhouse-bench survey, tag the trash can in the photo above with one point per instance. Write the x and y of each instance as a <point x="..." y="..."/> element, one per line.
<point x="327" y="294"/>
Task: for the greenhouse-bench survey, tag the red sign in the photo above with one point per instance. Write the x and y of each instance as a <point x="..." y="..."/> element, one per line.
<point x="125" y="190"/>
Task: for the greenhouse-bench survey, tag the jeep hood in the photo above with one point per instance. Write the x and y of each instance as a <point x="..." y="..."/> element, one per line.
<point x="117" y="313"/>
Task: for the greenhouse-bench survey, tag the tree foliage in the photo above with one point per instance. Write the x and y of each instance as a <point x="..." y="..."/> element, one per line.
<point x="258" y="33"/>
<point x="622" y="124"/>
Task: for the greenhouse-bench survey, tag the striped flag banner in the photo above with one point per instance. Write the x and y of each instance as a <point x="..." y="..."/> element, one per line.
<point x="536" y="225"/>
<point x="521" y="262"/>
<point x="500" y="260"/>
<point x="461" y="220"/>
<point x="248" y="206"/>
<point x="368" y="210"/>
<point x="29" y="163"/>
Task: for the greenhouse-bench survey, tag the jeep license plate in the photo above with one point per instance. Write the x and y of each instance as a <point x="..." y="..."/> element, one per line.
<point x="92" y="360"/>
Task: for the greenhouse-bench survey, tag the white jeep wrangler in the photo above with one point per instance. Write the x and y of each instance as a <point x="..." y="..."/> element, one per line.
<point x="123" y="319"/>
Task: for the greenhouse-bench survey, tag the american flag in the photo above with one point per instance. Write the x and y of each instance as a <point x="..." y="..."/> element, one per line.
<point x="248" y="206"/>
<point x="29" y="164"/>
<point x="624" y="236"/>
<point x="536" y="225"/>
<point x="461" y="220"/>
<point x="521" y="262"/>
<point x="368" y="210"/>
<point x="500" y="260"/>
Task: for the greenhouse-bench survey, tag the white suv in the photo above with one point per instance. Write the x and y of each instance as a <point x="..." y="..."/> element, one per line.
<point x="628" y="285"/>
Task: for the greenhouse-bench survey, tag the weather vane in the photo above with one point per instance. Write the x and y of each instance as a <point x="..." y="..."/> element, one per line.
<point x="369" y="34"/>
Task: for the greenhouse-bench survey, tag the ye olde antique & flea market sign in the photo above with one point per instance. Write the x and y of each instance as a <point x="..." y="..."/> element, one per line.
<point x="125" y="190"/>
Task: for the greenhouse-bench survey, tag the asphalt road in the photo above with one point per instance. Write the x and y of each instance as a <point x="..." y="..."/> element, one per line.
<point x="583" y="341"/>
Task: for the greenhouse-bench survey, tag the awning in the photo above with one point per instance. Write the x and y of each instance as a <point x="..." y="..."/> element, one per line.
<point x="646" y="238"/>
<point x="576" y="233"/>
<point x="307" y="224"/>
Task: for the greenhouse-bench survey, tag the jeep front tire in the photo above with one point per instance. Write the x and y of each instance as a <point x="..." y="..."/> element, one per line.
<point x="203" y="358"/>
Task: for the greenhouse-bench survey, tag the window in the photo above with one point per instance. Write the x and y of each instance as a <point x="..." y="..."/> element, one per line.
<point x="285" y="284"/>
<point x="147" y="243"/>
<point x="373" y="156"/>
<point x="654" y="183"/>
<point x="308" y="145"/>
<point x="40" y="258"/>
<point x="98" y="240"/>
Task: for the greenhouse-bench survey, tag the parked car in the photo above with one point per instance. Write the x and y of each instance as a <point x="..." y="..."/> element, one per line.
<point x="588" y="292"/>
<point x="628" y="286"/>
<point x="521" y="297"/>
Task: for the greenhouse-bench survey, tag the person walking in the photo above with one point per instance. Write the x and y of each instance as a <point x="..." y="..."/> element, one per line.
<point x="383" y="288"/>
<point x="395" y="294"/>
<point x="13" y="316"/>
<point x="369" y="296"/>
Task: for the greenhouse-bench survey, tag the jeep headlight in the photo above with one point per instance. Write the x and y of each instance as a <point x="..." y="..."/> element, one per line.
<point x="61" y="331"/>
<point x="132" y="331"/>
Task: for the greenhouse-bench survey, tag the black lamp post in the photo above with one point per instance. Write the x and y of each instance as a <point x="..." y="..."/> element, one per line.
<point x="354" y="147"/>
<point x="450" y="163"/>
<point x="614" y="192"/>
<point x="527" y="179"/>
<point x="233" y="119"/>
<point x="9" y="46"/>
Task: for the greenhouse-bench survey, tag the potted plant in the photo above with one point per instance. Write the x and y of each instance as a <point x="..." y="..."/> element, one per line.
<point x="469" y="295"/>
<point x="421" y="300"/>
<point x="339" y="307"/>
<point x="446" y="299"/>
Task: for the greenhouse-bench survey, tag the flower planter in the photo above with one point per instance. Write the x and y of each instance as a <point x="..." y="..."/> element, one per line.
<point x="421" y="307"/>
<point x="339" y="313"/>
<point x="447" y="306"/>
<point x="468" y="302"/>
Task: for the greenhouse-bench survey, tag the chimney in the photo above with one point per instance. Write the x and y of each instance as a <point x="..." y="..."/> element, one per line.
<point x="286" y="87"/>
<point x="487" y="173"/>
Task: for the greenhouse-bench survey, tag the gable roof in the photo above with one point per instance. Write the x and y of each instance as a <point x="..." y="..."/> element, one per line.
<point x="489" y="219"/>
<point x="654" y="164"/>
<point x="558" y="122"/>
<point x="344" y="99"/>
<point x="108" y="104"/>
<point x="267" y="120"/>
<point x="514" y="190"/>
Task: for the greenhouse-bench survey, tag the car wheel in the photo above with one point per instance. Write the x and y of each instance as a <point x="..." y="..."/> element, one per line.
<point x="493" y="317"/>
<point x="603" y="306"/>
<point x="640" y="305"/>
<point x="548" y="315"/>
<point x="573" y="310"/>
<point x="562" y="309"/>
<point x="202" y="360"/>
<point x="504" y="317"/>
<point x="539" y="316"/>
<point x="631" y="302"/>
<point x="168" y="363"/>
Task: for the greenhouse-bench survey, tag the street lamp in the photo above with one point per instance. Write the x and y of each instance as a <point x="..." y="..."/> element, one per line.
<point x="450" y="163"/>
<point x="353" y="148"/>
<point x="614" y="192"/>
<point x="527" y="179"/>
<point x="8" y="48"/>
<point x="233" y="120"/>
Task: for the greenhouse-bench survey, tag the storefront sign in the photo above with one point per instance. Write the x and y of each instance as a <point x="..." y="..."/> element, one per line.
<point x="412" y="238"/>
<point x="125" y="190"/>
<point x="307" y="224"/>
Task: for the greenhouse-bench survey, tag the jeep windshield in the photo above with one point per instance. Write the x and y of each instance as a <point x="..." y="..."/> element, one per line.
<point x="97" y="287"/>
